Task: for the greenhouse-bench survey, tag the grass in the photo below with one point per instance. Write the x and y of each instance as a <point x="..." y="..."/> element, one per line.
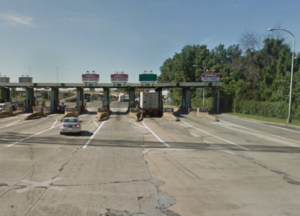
<point x="263" y="118"/>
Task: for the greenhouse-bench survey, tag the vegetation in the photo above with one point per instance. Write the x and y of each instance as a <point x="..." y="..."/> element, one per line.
<point x="254" y="76"/>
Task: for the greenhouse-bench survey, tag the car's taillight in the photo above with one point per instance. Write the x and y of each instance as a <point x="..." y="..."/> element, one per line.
<point x="156" y="111"/>
<point x="78" y="125"/>
<point x="58" y="107"/>
<point x="63" y="125"/>
<point x="144" y="111"/>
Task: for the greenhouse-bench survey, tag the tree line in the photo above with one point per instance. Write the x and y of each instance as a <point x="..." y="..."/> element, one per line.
<point x="249" y="72"/>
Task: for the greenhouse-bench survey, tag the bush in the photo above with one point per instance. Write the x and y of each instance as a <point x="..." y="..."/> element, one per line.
<point x="261" y="108"/>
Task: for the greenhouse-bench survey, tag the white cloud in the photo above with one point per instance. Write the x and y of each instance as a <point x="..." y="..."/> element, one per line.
<point x="15" y="19"/>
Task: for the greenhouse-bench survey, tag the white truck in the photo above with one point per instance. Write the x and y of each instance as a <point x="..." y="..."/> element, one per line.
<point x="121" y="97"/>
<point x="151" y="104"/>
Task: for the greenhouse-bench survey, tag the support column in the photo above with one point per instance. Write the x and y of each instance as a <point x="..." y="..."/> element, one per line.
<point x="29" y="101"/>
<point x="5" y="96"/>
<point x="80" y="99"/>
<point x="186" y="100"/>
<point x="54" y="99"/>
<point x="131" y="97"/>
<point x="160" y="103"/>
<point x="218" y="102"/>
<point x="105" y="100"/>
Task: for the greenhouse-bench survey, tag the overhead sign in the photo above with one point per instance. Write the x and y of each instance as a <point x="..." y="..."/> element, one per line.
<point x="210" y="77"/>
<point x="4" y="79"/>
<point x="25" y="79"/>
<point x="119" y="77"/>
<point x="90" y="78"/>
<point x="148" y="78"/>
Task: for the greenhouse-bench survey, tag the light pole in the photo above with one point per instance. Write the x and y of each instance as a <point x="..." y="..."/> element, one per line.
<point x="289" y="119"/>
<point x="203" y="87"/>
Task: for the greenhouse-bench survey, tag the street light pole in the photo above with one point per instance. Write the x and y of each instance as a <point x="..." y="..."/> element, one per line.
<point x="203" y="91"/>
<point x="289" y="119"/>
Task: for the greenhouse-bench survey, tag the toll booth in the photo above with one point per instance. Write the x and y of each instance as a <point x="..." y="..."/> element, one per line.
<point x="30" y="99"/>
<point x="131" y="97"/>
<point x="54" y="99"/>
<point x="5" y="96"/>
<point x="186" y="100"/>
<point x="105" y="99"/>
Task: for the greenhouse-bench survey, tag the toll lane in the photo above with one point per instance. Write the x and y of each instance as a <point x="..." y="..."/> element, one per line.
<point x="154" y="167"/>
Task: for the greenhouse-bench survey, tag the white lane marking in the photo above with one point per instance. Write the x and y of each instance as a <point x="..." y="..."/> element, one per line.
<point x="10" y="124"/>
<point x="262" y="124"/>
<point x="46" y="184"/>
<point x="95" y="123"/>
<point x="88" y="142"/>
<point x="261" y="132"/>
<point x="216" y="136"/>
<point x="31" y="136"/>
<point x="155" y="135"/>
<point x="54" y="123"/>
<point x="137" y="124"/>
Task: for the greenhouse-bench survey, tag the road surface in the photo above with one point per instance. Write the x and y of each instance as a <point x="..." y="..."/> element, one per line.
<point x="155" y="167"/>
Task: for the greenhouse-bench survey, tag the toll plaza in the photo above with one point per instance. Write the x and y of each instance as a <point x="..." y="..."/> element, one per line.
<point x="54" y="99"/>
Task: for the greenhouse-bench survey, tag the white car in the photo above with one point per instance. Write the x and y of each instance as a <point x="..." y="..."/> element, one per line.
<point x="1" y="107"/>
<point x="70" y="125"/>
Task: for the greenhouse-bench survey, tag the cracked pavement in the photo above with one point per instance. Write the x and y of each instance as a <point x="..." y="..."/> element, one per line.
<point x="127" y="171"/>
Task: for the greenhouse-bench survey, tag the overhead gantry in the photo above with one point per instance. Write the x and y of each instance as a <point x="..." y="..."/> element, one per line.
<point x="54" y="93"/>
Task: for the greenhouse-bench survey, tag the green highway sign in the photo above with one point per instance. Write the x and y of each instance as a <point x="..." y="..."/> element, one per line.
<point x="119" y="85"/>
<point x="62" y="85"/>
<point x="147" y="85"/>
<point x="148" y="78"/>
<point x="90" y="85"/>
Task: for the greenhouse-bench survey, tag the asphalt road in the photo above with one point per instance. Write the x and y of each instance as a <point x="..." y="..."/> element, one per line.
<point x="155" y="167"/>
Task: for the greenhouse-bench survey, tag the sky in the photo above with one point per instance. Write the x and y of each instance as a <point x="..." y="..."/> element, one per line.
<point x="59" y="40"/>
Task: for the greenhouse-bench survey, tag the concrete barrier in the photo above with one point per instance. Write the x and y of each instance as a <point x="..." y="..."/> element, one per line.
<point x="69" y="112"/>
<point x="102" y="114"/>
<point x="7" y="110"/>
<point x="38" y="112"/>
<point x="136" y="114"/>
<point x="169" y="113"/>
<point x="47" y="110"/>
<point x="20" y="110"/>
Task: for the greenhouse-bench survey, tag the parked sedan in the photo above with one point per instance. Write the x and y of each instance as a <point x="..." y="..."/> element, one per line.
<point x="70" y="125"/>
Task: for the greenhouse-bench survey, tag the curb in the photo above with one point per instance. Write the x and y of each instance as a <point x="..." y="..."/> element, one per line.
<point x="266" y="122"/>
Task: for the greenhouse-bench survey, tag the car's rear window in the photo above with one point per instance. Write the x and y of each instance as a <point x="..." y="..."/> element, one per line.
<point x="71" y="120"/>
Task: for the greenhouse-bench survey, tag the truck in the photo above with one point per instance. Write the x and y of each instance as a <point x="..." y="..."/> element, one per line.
<point x="121" y="97"/>
<point x="151" y="104"/>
